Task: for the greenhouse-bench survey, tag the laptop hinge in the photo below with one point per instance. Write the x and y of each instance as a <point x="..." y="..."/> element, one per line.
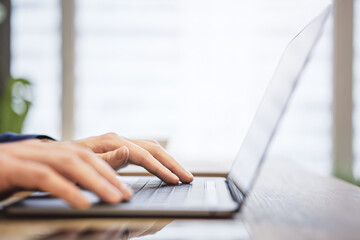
<point x="236" y="193"/>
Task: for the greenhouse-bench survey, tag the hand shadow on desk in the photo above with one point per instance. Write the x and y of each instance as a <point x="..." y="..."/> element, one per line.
<point x="105" y="233"/>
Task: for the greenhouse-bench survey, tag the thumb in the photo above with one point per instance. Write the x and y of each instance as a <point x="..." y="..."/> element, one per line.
<point x="117" y="158"/>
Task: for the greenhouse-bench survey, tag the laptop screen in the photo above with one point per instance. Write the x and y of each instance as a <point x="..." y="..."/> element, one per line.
<point x="272" y="107"/>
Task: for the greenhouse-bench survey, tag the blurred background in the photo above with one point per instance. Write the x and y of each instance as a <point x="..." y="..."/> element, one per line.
<point x="189" y="73"/>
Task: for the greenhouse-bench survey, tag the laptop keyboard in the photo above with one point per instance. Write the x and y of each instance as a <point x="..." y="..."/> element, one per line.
<point x="155" y="192"/>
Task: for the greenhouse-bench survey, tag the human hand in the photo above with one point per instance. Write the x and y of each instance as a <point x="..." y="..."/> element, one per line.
<point x="53" y="166"/>
<point x="146" y="153"/>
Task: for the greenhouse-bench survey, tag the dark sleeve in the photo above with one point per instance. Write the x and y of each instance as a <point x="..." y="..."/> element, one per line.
<point x="11" y="137"/>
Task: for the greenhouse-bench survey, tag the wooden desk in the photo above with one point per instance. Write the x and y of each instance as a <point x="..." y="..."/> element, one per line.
<point x="287" y="203"/>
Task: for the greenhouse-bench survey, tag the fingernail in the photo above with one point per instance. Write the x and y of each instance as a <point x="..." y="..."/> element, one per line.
<point x="176" y="180"/>
<point x="83" y="202"/>
<point x="114" y="195"/>
<point x="190" y="174"/>
<point x="124" y="152"/>
<point x="129" y="192"/>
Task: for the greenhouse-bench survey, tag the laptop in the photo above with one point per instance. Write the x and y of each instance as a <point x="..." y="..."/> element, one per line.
<point x="205" y="196"/>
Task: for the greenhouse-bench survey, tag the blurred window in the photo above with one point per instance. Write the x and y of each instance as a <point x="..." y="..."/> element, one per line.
<point x="188" y="72"/>
<point x="35" y="49"/>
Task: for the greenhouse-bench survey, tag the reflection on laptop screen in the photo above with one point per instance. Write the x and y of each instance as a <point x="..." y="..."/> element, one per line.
<point x="274" y="103"/>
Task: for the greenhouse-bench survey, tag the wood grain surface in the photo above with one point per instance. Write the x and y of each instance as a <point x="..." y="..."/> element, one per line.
<point x="288" y="202"/>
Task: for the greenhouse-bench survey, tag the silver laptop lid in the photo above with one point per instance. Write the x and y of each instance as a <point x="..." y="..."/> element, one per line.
<point x="273" y="105"/>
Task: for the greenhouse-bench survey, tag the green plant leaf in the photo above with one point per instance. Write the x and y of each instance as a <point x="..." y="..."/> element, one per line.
<point x="15" y="103"/>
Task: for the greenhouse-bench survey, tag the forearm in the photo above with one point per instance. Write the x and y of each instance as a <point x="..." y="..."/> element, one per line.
<point x="11" y="137"/>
